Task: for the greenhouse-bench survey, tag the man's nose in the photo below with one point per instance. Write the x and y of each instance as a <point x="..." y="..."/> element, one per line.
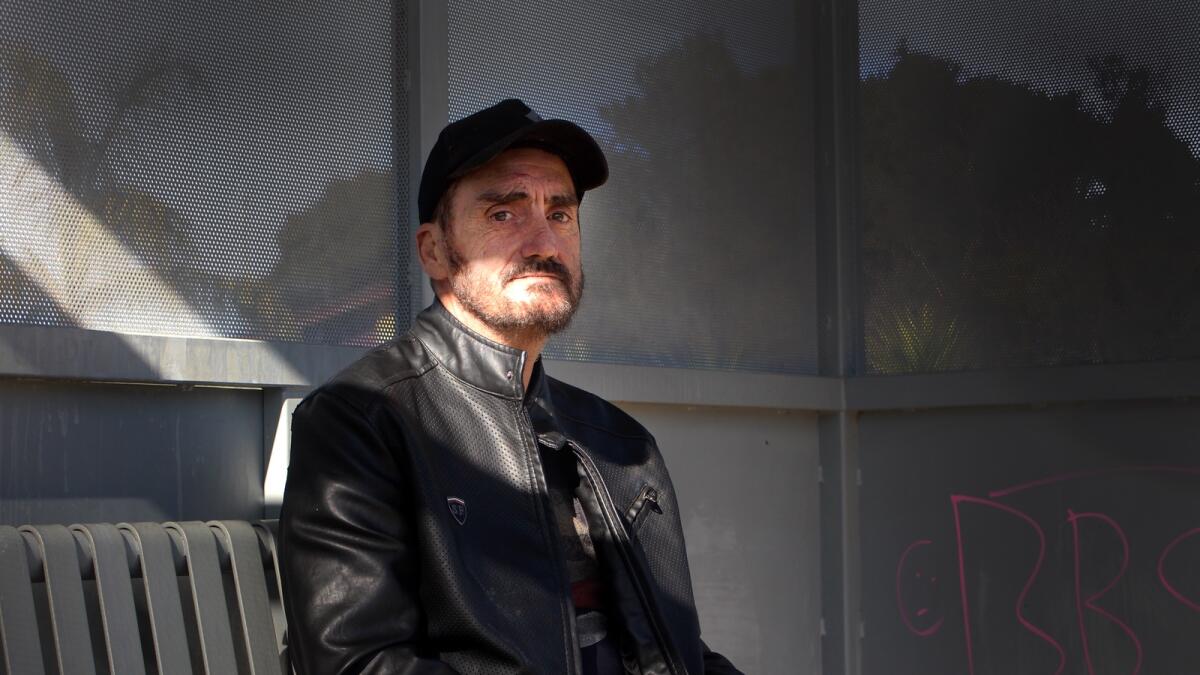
<point x="541" y="241"/>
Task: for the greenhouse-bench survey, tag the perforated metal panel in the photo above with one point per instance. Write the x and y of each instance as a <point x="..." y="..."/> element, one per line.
<point x="1031" y="183"/>
<point x="699" y="252"/>
<point x="211" y="169"/>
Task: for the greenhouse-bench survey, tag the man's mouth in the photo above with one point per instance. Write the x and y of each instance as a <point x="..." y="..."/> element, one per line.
<point x="540" y="275"/>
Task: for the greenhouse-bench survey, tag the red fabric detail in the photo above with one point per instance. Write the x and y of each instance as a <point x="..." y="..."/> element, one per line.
<point x="587" y="594"/>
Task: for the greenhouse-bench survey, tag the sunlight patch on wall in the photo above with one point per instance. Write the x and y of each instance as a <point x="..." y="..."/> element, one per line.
<point x="92" y="277"/>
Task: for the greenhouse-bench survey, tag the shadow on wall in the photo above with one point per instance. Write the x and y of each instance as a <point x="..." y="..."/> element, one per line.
<point x="1002" y="226"/>
<point x="83" y="227"/>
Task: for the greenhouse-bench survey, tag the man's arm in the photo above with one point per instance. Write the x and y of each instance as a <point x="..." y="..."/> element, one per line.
<point x="347" y="553"/>
<point x="715" y="664"/>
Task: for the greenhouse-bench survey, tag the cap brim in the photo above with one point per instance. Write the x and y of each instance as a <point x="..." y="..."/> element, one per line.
<point x="578" y="150"/>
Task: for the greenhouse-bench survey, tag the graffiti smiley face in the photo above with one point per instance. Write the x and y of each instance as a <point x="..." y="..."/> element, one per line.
<point x="919" y="589"/>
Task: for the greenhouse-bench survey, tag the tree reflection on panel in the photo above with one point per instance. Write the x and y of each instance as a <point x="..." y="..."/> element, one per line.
<point x="82" y="245"/>
<point x="1002" y="226"/>
<point x="708" y="238"/>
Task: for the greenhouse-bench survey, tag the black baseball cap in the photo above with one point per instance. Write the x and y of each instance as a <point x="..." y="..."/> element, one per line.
<point x="474" y="140"/>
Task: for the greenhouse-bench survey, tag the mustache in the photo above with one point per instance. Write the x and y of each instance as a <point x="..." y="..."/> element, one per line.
<point x="539" y="266"/>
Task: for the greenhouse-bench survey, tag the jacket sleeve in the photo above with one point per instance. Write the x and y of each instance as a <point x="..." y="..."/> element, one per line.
<point x="715" y="664"/>
<point x="347" y="550"/>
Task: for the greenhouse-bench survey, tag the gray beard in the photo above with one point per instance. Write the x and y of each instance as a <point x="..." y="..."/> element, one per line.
<point x="509" y="318"/>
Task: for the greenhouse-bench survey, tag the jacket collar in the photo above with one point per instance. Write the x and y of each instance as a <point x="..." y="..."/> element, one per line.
<point x="469" y="356"/>
<point x="538" y="400"/>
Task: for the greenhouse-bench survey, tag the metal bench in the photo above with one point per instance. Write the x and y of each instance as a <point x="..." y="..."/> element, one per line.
<point x="167" y="598"/>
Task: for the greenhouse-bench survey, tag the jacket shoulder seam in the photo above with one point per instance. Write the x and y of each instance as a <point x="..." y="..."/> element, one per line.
<point x="412" y="373"/>
<point x="435" y="363"/>
<point x="379" y="391"/>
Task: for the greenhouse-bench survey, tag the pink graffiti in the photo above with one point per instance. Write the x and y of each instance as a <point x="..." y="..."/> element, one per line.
<point x="904" y="612"/>
<point x="955" y="501"/>
<point x="1084" y="603"/>
<point x="1074" y="518"/>
<point x="1162" y="575"/>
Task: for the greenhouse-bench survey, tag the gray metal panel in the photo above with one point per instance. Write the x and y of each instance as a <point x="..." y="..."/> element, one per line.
<point x="64" y="586"/>
<point x="89" y="452"/>
<point x="18" y="622"/>
<point x="941" y="581"/>
<point x="747" y="487"/>
<point x="246" y="562"/>
<point x="162" y="596"/>
<point x="208" y="597"/>
<point x="110" y="564"/>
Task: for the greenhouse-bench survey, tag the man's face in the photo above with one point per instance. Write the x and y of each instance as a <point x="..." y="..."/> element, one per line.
<point x="512" y="243"/>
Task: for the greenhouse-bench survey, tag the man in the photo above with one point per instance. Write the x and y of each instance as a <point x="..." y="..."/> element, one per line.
<point x="450" y="508"/>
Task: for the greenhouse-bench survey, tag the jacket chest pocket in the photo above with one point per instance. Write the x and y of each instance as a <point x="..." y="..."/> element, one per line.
<point x="645" y="504"/>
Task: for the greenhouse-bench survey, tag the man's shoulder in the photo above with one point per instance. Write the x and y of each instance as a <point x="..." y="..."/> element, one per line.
<point x="583" y="407"/>
<point x="363" y="383"/>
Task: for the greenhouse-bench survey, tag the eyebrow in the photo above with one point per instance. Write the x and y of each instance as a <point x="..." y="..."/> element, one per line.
<point x="562" y="200"/>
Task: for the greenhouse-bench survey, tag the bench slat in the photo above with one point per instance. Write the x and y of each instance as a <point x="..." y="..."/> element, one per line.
<point x="254" y="607"/>
<point x="64" y="586"/>
<point x="18" y="621"/>
<point x="208" y="596"/>
<point x="266" y="530"/>
<point x="115" y="590"/>
<point x="162" y="596"/>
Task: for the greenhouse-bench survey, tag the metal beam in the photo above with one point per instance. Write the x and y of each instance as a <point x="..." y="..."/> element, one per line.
<point x="1057" y="384"/>
<point x="682" y="386"/>
<point x="58" y="352"/>
<point x="430" y="112"/>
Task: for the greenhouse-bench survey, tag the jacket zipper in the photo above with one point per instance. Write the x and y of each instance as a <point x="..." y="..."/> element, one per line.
<point x="647" y="498"/>
<point x="555" y="545"/>
<point x="623" y="545"/>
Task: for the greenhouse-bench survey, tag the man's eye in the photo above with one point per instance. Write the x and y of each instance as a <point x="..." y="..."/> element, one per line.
<point x="501" y="216"/>
<point x="561" y="216"/>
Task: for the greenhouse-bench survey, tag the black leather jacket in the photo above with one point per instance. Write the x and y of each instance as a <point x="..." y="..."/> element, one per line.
<point x="380" y="575"/>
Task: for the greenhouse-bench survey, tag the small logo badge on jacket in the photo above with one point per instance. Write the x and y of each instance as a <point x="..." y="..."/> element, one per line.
<point x="458" y="509"/>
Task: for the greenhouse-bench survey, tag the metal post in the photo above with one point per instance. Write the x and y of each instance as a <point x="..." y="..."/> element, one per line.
<point x="836" y="113"/>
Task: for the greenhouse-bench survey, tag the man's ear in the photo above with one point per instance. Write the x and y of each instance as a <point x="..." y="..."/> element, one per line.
<point x="431" y="249"/>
